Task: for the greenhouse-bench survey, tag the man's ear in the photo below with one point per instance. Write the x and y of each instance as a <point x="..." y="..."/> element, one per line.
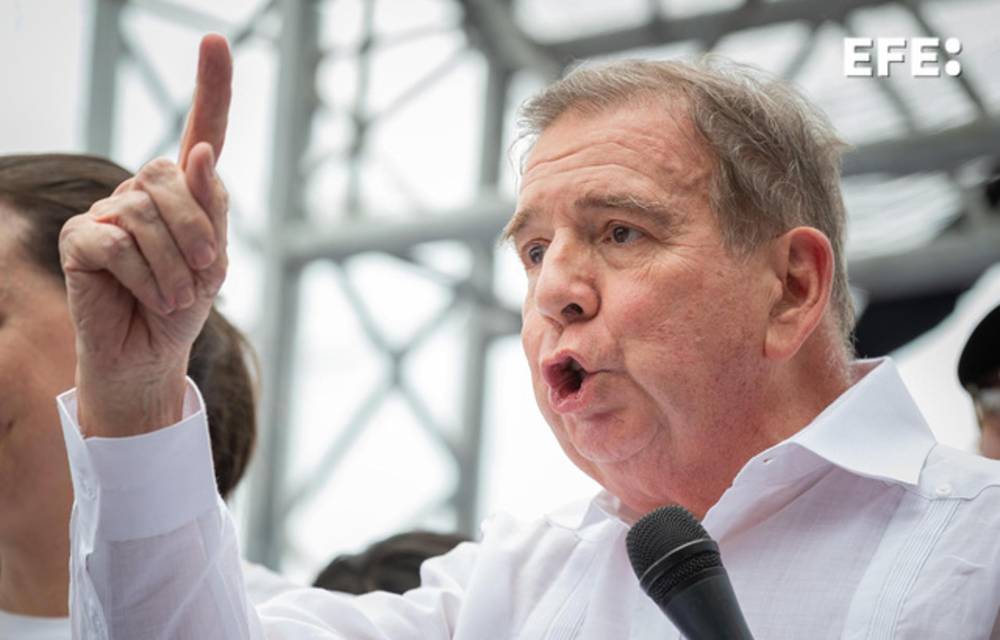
<point x="803" y="262"/>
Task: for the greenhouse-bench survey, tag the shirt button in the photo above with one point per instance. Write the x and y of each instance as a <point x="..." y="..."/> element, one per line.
<point x="943" y="490"/>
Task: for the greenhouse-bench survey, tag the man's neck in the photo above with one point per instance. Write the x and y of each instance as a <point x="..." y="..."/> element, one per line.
<point x="787" y="400"/>
<point x="35" y="582"/>
<point x="795" y="395"/>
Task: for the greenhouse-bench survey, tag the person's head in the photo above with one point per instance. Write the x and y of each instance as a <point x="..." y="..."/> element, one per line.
<point x="391" y="565"/>
<point x="979" y="374"/>
<point x="682" y="228"/>
<point x="38" y="193"/>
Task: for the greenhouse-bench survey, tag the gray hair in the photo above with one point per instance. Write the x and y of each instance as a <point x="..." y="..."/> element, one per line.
<point x="777" y="157"/>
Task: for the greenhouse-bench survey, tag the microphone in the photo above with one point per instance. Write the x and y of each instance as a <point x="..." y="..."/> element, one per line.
<point x="679" y="567"/>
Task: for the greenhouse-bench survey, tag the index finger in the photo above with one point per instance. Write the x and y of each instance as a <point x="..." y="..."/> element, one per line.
<point x="210" y="106"/>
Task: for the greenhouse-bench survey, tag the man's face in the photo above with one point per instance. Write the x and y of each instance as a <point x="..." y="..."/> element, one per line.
<point x="643" y="334"/>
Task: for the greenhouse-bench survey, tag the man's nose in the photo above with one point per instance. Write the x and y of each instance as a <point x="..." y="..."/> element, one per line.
<point x="566" y="289"/>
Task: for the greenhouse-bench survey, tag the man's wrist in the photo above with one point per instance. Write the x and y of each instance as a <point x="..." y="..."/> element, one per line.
<point x="115" y="408"/>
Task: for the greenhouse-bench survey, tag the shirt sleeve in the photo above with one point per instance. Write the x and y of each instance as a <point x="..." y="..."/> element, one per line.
<point x="153" y="550"/>
<point x="154" y="553"/>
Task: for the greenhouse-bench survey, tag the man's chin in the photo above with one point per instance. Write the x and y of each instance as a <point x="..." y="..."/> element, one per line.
<point x="607" y="439"/>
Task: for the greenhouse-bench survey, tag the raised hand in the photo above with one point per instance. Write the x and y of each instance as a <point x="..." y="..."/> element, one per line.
<point x="143" y="268"/>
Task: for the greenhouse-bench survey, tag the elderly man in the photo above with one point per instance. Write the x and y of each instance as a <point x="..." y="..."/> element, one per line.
<point x="686" y="325"/>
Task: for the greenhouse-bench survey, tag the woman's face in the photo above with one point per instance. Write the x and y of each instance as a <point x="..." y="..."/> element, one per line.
<point x="37" y="362"/>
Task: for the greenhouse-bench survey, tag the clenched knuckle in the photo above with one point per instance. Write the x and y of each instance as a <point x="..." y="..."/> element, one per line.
<point x="161" y="165"/>
<point x="100" y="208"/>
<point x="69" y="228"/>
<point x="142" y="199"/>
<point x="144" y="179"/>
<point x="116" y="243"/>
<point x="125" y="186"/>
<point x="153" y="172"/>
<point x="140" y="206"/>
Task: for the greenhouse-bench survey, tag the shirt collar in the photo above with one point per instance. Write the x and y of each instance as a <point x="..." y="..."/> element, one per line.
<point x="582" y="515"/>
<point x="873" y="429"/>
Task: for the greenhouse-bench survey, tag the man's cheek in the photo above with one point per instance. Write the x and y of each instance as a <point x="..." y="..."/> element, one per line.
<point x="529" y="340"/>
<point x="533" y="331"/>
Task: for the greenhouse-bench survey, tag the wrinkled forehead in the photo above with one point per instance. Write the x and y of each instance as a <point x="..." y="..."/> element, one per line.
<point x="644" y="151"/>
<point x="658" y="138"/>
<point x="666" y="112"/>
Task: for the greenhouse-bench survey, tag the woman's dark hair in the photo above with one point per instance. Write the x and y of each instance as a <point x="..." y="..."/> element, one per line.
<point x="46" y="190"/>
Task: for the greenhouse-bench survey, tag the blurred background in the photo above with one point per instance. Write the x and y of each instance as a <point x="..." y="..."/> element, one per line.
<point x="371" y="166"/>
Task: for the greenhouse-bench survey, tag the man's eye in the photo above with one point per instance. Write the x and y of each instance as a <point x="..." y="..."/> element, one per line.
<point x="535" y="253"/>
<point x="623" y="235"/>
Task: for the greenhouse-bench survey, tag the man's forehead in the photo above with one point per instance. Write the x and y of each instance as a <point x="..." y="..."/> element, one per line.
<point x="652" y="124"/>
<point x="643" y="144"/>
<point x="636" y="157"/>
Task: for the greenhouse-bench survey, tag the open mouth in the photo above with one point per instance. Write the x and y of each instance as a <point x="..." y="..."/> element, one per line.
<point x="565" y="377"/>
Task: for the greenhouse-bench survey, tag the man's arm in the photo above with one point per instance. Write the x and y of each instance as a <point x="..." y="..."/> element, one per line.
<point x="143" y="268"/>
<point x="154" y="553"/>
<point x="153" y="549"/>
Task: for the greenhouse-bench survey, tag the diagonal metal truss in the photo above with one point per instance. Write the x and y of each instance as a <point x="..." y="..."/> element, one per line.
<point x="295" y="236"/>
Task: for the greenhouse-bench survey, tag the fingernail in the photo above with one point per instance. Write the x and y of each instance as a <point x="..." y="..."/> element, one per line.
<point x="166" y="306"/>
<point x="185" y="297"/>
<point x="204" y="255"/>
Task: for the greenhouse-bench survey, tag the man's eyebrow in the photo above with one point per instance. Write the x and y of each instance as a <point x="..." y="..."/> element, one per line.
<point x="518" y="220"/>
<point x="655" y="213"/>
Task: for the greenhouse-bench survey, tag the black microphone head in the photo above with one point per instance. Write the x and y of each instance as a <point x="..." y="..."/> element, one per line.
<point x="680" y="569"/>
<point x="659" y="534"/>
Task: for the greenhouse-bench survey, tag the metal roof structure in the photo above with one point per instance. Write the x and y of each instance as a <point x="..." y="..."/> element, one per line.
<point x="349" y="81"/>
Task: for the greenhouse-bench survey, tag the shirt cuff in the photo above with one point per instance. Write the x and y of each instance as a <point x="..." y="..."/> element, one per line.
<point x="141" y="486"/>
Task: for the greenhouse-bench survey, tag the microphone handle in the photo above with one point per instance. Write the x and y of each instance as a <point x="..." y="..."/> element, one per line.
<point x="708" y="610"/>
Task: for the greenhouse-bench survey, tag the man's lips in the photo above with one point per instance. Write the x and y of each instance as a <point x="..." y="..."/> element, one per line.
<point x="569" y="381"/>
<point x="564" y="368"/>
<point x="574" y="401"/>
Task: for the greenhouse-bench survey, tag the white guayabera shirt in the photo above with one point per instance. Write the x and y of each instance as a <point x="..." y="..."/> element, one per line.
<point x="859" y="526"/>
<point x="261" y="585"/>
